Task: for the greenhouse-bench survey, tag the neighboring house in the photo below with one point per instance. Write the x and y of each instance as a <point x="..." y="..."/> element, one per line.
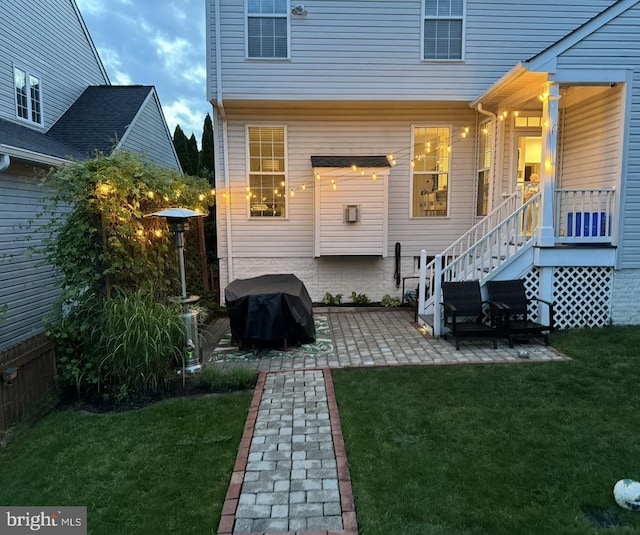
<point x="56" y="106"/>
<point x="358" y="140"/>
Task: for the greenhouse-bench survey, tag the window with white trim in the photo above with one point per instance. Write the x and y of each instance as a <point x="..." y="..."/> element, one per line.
<point x="484" y="168"/>
<point x="267" y="193"/>
<point x="443" y="29"/>
<point x="268" y="29"/>
<point x="28" y="96"/>
<point x="430" y="170"/>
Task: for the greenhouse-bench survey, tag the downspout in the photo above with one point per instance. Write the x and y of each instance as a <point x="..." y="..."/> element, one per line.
<point x="225" y="140"/>
<point x="5" y="162"/>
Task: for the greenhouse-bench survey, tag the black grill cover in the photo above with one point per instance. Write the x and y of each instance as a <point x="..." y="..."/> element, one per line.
<point x="270" y="308"/>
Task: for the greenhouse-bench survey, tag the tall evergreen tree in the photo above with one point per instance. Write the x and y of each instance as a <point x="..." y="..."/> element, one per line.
<point x="194" y="155"/>
<point x="206" y="154"/>
<point x="182" y="150"/>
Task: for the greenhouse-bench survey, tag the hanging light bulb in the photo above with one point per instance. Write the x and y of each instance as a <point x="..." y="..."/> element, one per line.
<point x="374" y="176"/>
<point x="317" y="176"/>
<point x="362" y="172"/>
<point x="333" y="180"/>
<point x="335" y="186"/>
<point x="150" y="194"/>
<point x="282" y="183"/>
<point x="158" y="233"/>
<point x="354" y="167"/>
<point x="292" y="193"/>
<point x="201" y="197"/>
<point x="304" y="187"/>
<point x="213" y="192"/>
<point x="413" y="164"/>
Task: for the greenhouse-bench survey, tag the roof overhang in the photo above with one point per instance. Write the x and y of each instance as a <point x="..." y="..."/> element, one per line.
<point x="343" y="162"/>
<point x="515" y="88"/>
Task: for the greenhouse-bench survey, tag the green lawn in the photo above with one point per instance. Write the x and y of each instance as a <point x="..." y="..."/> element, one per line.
<point x="493" y="449"/>
<point x="161" y="469"/>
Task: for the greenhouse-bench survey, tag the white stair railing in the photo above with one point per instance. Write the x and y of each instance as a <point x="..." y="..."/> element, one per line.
<point x="485" y="247"/>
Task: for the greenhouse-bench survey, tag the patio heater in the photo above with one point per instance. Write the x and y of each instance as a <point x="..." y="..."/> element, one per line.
<point x="178" y="221"/>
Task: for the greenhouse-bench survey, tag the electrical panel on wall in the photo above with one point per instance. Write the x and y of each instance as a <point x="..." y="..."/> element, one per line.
<point x="351" y="213"/>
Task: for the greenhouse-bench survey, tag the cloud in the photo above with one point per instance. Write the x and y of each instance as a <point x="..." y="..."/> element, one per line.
<point x="114" y="66"/>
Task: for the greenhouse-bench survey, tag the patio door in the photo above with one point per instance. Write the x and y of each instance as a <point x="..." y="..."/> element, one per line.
<point x="529" y="158"/>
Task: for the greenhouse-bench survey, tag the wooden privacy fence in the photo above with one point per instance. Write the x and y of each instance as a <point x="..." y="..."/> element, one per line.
<point x="27" y="393"/>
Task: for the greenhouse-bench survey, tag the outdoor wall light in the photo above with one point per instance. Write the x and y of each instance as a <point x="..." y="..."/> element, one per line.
<point x="299" y="10"/>
<point x="9" y="375"/>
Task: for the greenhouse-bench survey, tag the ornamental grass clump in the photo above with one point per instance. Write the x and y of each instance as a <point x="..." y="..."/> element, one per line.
<point x="137" y="344"/>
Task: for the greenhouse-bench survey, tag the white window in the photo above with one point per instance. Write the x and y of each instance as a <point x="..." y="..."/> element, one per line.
<point x="268" y="29"/>
<point x="443" y="30"/>
<point x="484" y="168"/>
<point x="267" y="192"/>
<point x="28" y="96"/>
<point x="430" y="170"/>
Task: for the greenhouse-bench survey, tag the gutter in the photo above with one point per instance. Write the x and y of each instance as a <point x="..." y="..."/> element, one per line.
<point x="30" y="156"/>
<point x="219" y="105"/>
<point x="5" y="162"/>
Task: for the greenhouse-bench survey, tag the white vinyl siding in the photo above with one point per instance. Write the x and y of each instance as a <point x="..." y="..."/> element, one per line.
<point x="60" y="55"/>
<point x="334" y="192"/>
<point x="443" y="30"/>
<point x="26" y="286"/>
<point x="267" y="29"/>
<point x="353" y="50"/>
<point x="356" y="131"/>
<point x="591" y="141"/>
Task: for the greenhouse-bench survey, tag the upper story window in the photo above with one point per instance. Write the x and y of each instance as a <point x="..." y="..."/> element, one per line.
<point x="443" y="29"/>
<point x="268" y="29"/>
<point x="430" y="170"/>
<point x="267" y="193"/>
<point x="28" y="96"/>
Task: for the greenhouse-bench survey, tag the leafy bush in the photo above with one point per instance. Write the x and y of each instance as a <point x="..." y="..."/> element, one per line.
<point x="332" y="299"/>
<point x="388" y="301"/>
<point x="360" y="299"/>
<point x="217" y="379"/>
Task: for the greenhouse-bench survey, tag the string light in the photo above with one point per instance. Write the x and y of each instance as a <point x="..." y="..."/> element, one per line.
<point x="292" y="193"/>
<point x="150" y="194"/>
<point x="335" y="186"/>
<point x="374" y="176"/>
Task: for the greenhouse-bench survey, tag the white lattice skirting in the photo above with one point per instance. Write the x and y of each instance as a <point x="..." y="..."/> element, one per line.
<point x="582" y="296"/>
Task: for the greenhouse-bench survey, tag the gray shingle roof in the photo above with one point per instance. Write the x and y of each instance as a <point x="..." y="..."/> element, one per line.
<point x="23" y="137"/>
<point x="348" y="161"/>
<point x="98" y="119"/>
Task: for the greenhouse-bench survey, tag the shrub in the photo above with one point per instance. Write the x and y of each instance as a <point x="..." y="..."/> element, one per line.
<point x="217" y="379"/>
<point x="360" y="299"/>
<point x="332" y="299"/>
<point x="116" y="348"/>
<point x="388" y="301"/>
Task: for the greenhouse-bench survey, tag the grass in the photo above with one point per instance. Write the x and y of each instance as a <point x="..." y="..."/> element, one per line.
<point x="161" y="469"/>
<point x="524" y="448"/>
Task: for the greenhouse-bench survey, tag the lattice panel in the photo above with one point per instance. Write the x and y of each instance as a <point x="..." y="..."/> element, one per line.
<point x="582" y="296"/>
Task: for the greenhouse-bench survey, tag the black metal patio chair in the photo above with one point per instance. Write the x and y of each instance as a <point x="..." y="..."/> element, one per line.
<point x="511" y="296"/>
<point x="464" y="312"/>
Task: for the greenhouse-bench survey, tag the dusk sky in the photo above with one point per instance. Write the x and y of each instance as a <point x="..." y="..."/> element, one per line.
<point x="155" y="42"/>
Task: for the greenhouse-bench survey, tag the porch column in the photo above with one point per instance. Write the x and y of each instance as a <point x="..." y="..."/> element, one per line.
<point x="550" y="106"/>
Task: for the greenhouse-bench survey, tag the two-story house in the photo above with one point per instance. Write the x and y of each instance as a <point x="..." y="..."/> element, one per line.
<point x="56" y="106"/>
<point x="361" y="142"/>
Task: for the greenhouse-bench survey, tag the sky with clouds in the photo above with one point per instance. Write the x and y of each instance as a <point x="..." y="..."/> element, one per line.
<point x="159" y="43"/>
